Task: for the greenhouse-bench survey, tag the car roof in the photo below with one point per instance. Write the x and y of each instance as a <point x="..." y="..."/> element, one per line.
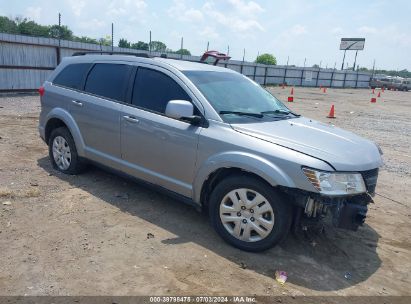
<point x="181" y="65"/>
<point x="184" y="65"/>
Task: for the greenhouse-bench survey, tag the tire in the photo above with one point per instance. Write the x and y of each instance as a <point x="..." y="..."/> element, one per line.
<point x="256" y="232"/>
<point x="63" y="153"/>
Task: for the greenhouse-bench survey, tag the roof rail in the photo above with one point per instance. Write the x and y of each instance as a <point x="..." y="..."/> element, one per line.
<point x="111" y="53"/>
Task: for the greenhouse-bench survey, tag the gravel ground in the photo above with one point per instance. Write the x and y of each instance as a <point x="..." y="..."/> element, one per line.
<point x="99" y="234"/>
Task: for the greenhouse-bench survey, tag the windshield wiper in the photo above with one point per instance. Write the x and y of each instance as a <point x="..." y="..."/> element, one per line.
<point x="280" y="112"/>
<point x="258" y="115"/>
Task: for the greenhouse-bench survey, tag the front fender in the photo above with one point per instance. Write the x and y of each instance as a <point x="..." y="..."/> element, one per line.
<point x="69" y="121"/>
<point x="241" y="160"/>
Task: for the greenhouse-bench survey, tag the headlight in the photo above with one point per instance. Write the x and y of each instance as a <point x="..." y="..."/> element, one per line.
<point x="333" y="183"/>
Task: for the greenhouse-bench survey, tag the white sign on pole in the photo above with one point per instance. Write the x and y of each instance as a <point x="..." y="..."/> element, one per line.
<point x="308" y="75"/>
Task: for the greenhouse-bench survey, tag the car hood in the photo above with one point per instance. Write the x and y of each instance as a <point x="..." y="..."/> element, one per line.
<point x="344" y="150"/>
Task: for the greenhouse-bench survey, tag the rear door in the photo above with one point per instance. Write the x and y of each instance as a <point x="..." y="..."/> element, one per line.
<point x="97" y="111"/>
<point x="157" y="148"/>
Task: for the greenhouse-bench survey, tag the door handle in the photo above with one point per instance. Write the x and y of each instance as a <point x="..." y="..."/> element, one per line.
<point x="131" y="119"/>
<point x="77" y="103"/>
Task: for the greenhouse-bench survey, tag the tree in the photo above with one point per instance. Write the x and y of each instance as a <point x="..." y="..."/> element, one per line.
<point x="266" y="59"/>
<point x="63" y="32"/>
<point x="31" y="28"/>
<point x="183" y="52"/>
<point x="8" y="26"/>
<point x="105" y="41"/>
<point x="124" y="43"/>
<point x="140" y="46"/>
<point x="157" y="46"/>
<point x="85" y="39"/>
<point x="316" y="66"/>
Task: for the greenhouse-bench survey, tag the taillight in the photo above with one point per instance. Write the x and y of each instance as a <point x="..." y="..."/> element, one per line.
<point x="41" y="91"/>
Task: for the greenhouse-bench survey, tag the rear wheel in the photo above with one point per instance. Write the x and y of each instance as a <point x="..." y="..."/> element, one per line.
<point x="63" y="153"/>
<point x="249" y="214"/>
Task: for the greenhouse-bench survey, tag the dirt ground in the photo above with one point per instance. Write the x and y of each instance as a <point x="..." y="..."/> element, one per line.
<point x="99" y="234"/>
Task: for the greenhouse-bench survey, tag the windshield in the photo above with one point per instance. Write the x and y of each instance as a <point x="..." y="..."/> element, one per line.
<point x="235" y="97"/>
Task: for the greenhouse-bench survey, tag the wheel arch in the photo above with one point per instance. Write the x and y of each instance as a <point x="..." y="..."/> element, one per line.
<point x="224" y="164"/>
<point x="61" y="118"/>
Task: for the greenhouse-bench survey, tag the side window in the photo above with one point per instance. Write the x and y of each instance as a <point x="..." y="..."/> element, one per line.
<point x="108" y="80"/>
<point x="153" y="90"/>
<point x="72" y="76"/>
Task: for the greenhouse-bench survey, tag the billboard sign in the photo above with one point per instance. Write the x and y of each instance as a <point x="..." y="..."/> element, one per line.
<point x="355" y="44"/>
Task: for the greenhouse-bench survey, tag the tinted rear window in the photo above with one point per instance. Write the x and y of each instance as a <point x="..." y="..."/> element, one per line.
<point x="72" y="76"/>
<point x="153" y="90"/>
<point x="108" y="80"/>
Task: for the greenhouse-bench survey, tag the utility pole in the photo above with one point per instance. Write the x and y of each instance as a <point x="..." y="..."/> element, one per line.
<point x="243" y="55"/>
<point x="288" y="57"/>
<point x="59" y="48"/>
<point x="208" y="45"/>
<point x="149" y="45"/>
<point x="228" y="49"/>
<point x="112" y="36"/>
<point x="373" y="69"/>
<point x="182" y="45"/>
<point x="59" y="29"/>
<point x="304" y="61"/>
<point x="320" y="64"/>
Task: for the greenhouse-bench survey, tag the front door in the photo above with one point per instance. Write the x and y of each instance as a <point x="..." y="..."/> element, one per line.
<point x="157" y="148"/>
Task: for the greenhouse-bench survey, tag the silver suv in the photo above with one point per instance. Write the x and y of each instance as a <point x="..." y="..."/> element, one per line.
<point x="213" y="138"/>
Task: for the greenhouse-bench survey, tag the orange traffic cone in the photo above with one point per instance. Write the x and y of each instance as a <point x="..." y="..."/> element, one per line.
<point x="290" y="99"/>
<point x="373" y="91"/>
<point x="379" y="94"/>
<point x="292" y="91"/>
<point x="373" y="99"/>
<point x="331" y="114"/>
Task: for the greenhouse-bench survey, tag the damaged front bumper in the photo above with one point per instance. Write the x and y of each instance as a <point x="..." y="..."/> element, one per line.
<point x="346" y="212"/>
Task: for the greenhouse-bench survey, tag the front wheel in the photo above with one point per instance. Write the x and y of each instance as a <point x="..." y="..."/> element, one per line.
<point x="249" y="214"/>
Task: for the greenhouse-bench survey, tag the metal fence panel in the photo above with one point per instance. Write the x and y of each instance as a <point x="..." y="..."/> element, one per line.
<point x="13" y="54"/>
<point x="41" y="55"/>
<point x="12" y="79"/>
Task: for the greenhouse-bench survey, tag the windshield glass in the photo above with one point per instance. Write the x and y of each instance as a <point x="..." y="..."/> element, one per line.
<point x="235" y="97"/>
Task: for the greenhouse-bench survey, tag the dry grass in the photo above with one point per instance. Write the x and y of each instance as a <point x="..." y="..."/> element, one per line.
<point x="31" y="192"/>
<point x="4" y="192"/>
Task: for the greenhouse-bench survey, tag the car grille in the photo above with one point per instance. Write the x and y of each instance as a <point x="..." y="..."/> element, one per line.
<point x="370" y="179"/>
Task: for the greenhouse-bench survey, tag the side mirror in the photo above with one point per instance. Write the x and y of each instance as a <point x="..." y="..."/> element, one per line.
<point x="183" y="110"/>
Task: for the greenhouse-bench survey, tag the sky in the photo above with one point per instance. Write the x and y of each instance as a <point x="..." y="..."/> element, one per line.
<point x="300" y="30"/>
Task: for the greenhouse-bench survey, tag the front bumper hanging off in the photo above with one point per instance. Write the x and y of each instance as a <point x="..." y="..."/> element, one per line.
<point x="347" y="212"/>
<point x="350" y="214"/>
